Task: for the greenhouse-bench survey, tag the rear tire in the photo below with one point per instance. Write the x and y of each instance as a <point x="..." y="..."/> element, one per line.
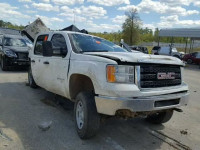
<point x="3" y="64"/>
<point x="87" y="119"/>
<point x="189" y="61"/>
<point x="160" y="117"/>
<point x="31" y="81"/>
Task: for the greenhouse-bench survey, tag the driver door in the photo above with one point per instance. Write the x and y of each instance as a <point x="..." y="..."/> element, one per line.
<point x="56" y="66"/>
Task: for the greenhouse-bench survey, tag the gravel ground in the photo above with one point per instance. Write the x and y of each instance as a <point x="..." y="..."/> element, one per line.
<point x="22" y="109"/>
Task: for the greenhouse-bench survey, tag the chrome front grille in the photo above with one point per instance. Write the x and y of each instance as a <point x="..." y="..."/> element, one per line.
<point x="149" y="75"/>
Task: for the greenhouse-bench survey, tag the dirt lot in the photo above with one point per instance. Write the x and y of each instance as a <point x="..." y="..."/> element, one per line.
<point x="22" y="109"/>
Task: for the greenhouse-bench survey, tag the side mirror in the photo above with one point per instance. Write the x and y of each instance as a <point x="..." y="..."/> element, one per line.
<point x="63" y="52"/>
<point x="47" y="48"/>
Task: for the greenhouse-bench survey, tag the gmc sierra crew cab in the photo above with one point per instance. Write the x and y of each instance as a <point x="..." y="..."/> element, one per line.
<point x="105" y="79"/>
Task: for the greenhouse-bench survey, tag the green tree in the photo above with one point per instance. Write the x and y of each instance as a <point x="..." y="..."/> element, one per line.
<point x="4" y="24"/>
<point x="156" y="35"/>
<point x="130" y="27"/>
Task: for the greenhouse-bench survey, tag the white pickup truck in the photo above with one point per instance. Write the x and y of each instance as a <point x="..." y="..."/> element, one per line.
<point x="105" y="79"/>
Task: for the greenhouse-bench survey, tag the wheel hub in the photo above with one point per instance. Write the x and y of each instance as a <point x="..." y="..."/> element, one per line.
<point x="80" y="115"/>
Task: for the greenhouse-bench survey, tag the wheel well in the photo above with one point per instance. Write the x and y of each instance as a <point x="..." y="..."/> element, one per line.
<point x="80" y="83"/>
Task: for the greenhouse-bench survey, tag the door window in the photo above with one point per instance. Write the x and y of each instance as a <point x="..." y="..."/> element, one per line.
<point x="38" y="45"/>
<point x="59" y="45"/>
<point x="198" y="55"/>
<point x="194" y="54"/>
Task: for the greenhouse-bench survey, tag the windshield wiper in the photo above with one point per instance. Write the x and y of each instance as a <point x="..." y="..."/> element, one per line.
<point x="94" y="51"/>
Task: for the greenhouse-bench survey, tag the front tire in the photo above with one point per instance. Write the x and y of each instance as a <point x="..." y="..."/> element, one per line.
<point x="31" y="81"/>
<point x="87" y="119"/>
<point x="3" y="64"/>
<point x="160" y="117"/>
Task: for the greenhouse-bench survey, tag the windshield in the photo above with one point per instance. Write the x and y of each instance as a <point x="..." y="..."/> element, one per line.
<point x="8" y="41"/>
<point x="86" y="43"/>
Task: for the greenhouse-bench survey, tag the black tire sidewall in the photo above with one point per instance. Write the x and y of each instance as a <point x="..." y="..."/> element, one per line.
<point x="29" y="76"/>
<point x="3" y="64"/>
<point x="31" y="79"/>
<point x="161" y="117"/>
<point x="91" y="117"/>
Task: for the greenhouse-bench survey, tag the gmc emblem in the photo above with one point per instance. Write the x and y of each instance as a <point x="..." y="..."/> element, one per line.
<point x="164" y="76"/>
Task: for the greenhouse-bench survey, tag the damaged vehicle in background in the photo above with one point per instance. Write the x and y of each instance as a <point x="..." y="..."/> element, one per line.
<point x="13" y="51"/>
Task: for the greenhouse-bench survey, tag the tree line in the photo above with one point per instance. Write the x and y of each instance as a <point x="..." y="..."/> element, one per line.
<point x="133" y="33"/>
<point x="4" y="24"/>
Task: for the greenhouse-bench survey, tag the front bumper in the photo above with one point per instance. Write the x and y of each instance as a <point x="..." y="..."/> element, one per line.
<point x="109" y="105"/>
<point x="10" y="61"/>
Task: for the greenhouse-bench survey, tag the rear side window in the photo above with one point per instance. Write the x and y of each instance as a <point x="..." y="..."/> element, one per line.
<point x="194" y="54"/>
<point x="198" y="55"/>
<point x="59" y="45"/>
<point x="38" y="45"/>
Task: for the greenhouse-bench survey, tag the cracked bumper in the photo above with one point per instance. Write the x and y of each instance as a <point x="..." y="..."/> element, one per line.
<point x="109" y="105"/>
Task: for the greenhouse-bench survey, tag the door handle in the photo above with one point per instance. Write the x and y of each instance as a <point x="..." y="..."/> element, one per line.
<point x="33" y="61"/>
<point x="46" y="62"/>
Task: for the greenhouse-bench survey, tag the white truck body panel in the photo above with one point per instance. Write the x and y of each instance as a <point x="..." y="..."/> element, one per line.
<point x="55" y="77"/>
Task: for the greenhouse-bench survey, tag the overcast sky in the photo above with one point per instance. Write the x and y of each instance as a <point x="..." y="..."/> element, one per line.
<point x="102" y="15"/>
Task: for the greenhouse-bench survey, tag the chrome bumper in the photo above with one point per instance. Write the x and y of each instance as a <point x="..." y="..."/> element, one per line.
<point x="109" y="105"/>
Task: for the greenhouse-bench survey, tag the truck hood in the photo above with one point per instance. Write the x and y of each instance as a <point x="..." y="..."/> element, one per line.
<point x="17" y="49"/>
<point x="137" y="57"/>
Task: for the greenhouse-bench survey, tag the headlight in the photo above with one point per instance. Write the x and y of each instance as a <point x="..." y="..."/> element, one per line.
<point x="10" y="53"/>
<point x="120" y="74"/>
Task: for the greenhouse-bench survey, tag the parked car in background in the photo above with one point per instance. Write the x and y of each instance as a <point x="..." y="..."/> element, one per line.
<point x="140" y="49"/>
<point x="169" y="51"/>
<point x="192" y="58"/>
<point x="13" y="51"/>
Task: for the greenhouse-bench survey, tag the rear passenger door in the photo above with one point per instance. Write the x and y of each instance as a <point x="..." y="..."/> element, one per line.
<point x="58" y="65"/>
